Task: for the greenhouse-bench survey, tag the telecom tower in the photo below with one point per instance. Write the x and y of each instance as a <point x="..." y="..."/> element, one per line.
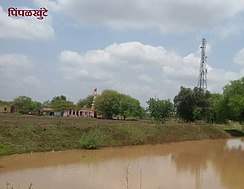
<point x="202" y="78"/>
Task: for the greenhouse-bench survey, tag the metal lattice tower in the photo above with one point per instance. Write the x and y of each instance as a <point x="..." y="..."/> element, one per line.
<point x="202" y="78"/>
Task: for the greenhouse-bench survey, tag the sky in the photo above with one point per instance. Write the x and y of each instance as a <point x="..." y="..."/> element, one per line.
<point x="143" y="48"/>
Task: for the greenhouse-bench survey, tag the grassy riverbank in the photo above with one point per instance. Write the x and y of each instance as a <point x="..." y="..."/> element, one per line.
<point x="25" y="134"/>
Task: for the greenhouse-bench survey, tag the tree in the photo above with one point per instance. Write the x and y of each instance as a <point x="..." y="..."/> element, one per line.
<point x="59" y="103"/>
<point x="108" y="103"/>
<point x="5" y="102"/>
<point x="233" y="100"/>
<point x="111" y="103"/>
<point x="193" y="104"/>
<point x="185" y="104"/>
<point x="159" y="109"/>
<point x="26" y="105"/>
<point x="129" y="106"/>
<point x="197" y="113"/>
<point x="58" y="98"/>
<point x="46" y="104"/>
<point x="202" y="109"/>
<point x="217" y="113"/>
<point x="36" y="106"/>
<point x="86" y="102"/>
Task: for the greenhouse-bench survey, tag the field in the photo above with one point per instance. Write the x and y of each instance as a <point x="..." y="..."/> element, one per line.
<point x="25" y="134"/>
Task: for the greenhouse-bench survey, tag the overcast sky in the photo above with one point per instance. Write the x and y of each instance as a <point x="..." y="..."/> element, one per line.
<point x="144" y="48"/>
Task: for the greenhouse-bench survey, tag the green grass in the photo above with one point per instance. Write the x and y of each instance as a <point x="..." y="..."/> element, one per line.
<point x="24" y="134"/>
<point x="231" y="126"/>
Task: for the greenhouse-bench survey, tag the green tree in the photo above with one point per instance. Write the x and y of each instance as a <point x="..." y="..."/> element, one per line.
<point x="108" y="103"/>
<point x="2" y="102"/>
<point x="36" y="106"/>
<point x="197" y="113"/>
<point x="217" y="114"/>
<point x="233" y="100"/>
<point x="26" y="105"/>
<point x="185" y="103"/>
<point x="58" y="98"/>
<point x="46" y="104"/>
<point x="129" y="106"/>
<point x="59" y="103"/>
<point x="202" y="109"/>
<point x="193" y="104"/>
<point x="86" y="102"/>
<point x="159" y="109"/>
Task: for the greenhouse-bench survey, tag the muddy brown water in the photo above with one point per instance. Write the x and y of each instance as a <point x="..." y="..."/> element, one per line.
<point x="207" y="164"/>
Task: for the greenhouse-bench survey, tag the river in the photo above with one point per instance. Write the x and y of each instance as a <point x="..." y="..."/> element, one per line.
<point x="207" y="164"/>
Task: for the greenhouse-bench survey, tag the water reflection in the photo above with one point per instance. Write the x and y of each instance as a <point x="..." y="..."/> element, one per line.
<point x="235" y="144"/>
<point x="230" y="166"/>
<point x="206" y="164"/>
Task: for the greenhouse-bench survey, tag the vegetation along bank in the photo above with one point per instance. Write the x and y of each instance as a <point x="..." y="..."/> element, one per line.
<point x="26" y="133"/>
<point x="30" y="133"/>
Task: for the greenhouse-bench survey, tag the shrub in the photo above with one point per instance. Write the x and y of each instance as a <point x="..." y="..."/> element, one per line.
<point x="4" y="149"/>
<point x="91" y="140"/>
<point x="136" y="135"/>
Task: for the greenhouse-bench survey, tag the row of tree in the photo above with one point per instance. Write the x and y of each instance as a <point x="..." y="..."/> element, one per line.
<point x="109" y="104"/>
<point x="189" y="104"/>
<point x="196" y="104"/>
<point x="26" y="105"/>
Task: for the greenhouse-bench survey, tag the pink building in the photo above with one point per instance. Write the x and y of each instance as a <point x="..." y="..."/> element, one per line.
<point x="83" y="112"/>
<point x="87" y="112"/>
<point x="71" y="113"/>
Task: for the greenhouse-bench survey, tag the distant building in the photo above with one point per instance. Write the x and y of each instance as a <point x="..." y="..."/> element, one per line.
<point x="71" y="113"/>
<point x="87" y="112"/>
<point x="8" y="109"/>
<point x="83" y="112"/>
<point x="58" y="113"/>
<point x="50" y="112"/>
<point x="14" y="109"/>
<point x="5" y="109"/>
<point x="47" y="111"/>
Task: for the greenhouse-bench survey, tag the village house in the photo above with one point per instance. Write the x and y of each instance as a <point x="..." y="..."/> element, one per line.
<point x="83" y="112"/>
<point x="51" y="112"/>
<point x="5" y="109"/>
<point x="47" y="111"/>
<point x="88" y="112"/>
<point x="8" y="109"/>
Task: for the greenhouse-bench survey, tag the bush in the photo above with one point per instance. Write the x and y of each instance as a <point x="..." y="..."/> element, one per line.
<point x="91" y="140"/>
<point x="136" y="135"/>
<point x="4" y="149"/>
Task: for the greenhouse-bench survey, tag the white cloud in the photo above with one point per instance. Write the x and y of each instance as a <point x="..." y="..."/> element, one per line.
<point x="31" y="80"/>
<point x="168" y="15"/>
<point x="16" y="75"/>
<point x="11" y="64"/>
<point x="140" y="70"/>
<point x="218" y="78"/>
<point x="25" y="28"/>
<point x="89" y="66"/>
<point x="146" y="78"/>
<point x="228" y="30"/>
<point x="50" y="5"/>
<point x="239" y="57"/>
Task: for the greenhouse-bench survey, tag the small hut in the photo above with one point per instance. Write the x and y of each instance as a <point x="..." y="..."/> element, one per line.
<point x="5" y="109"/>
<point x="47" y="111"/>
